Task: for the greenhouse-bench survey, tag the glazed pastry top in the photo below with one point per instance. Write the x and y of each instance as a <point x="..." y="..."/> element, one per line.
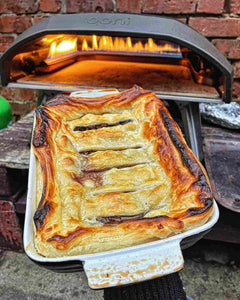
<point x="112" y="172"/>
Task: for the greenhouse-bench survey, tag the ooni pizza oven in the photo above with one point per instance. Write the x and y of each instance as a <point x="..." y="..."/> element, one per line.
<point x="81" y="51"/>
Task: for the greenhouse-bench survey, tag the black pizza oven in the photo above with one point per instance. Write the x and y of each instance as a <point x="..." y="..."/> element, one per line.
<point x="81" y="51"/>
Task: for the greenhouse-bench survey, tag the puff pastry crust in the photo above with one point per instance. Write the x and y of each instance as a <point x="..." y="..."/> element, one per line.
<point x="113" y="172"/>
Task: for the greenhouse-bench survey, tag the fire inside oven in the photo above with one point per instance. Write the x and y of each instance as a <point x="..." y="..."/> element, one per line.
<point x="114" y="61"/>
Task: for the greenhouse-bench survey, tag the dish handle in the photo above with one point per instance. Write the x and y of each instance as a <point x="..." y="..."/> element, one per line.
<point x="130" y="267"/>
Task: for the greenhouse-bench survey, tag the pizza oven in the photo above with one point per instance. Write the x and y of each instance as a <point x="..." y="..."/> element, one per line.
<point x="66" y="53"/>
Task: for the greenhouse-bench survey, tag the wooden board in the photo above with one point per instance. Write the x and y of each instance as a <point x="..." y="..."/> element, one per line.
<point x="15" y="144"/>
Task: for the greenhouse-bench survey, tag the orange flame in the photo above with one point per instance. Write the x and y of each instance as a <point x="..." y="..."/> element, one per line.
<point x="126" y="44"/>
<point x="69" y="45"/>
<point x="94" y="42"/>
<point x="64" y="46"/>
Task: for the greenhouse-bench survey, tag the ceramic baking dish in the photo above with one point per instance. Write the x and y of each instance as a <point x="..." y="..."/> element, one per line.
<point x="122" y="266"/>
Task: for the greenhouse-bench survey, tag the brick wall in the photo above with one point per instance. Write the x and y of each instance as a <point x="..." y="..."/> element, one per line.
<point x="218" y="20"/>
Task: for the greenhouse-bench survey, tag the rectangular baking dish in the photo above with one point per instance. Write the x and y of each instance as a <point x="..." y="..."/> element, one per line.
<point x="121" y="266"/>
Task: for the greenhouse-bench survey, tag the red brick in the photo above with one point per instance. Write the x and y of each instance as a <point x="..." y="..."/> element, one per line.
<point x="5" y="183"/>
<point x="236" y="69"/>
<point x="32" y="106"/>
<point x="219" y="27"/>
<point x="234" y="6"/>
<point x="230" y="48"/>
<point x="129" y="6"/>
<point x="15" y="24"/>
<point x="5" y="42"/>
<point x="3" y="6"/>
<point x="18" y="6"/>
<point x="179" y="6"/>
<point x="211" y="7"/>
<point x="169" y="6"/>
<point x="19" y="109"/>
<point x="9" y="94"/>
<point x="10" y="230"/>
<point x="236" y="89"/>
<point x="153" y="6"/>
<point x="15" y="94"/>
<point x="26" y="95"/>
<point x="38" y="19"/>
<point x="6" y="206"/>
<point x="50" y="5"/>
<point x="12" y="181"/>
<point x="76" y="6"/>
<point x="183" y="20"/>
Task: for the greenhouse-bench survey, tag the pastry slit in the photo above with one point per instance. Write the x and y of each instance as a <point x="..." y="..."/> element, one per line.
<point x="92" y="170"/>
<point x="129" y="191"/>
<point x="105" y="160"/>
<point x="118" y="219"/>
<point x="101" y="125"/>
<point x="139" y="201"/>
<point x="122" y="149"/>
<point x="123" y="189"/>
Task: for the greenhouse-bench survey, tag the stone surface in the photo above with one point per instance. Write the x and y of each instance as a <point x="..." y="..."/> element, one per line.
<point x="216" y="27"/>
<point x="210" y="7"/>
<point x="214" y="280"/>
<point x="21" y="279"/>
<point x="207" y="281"/>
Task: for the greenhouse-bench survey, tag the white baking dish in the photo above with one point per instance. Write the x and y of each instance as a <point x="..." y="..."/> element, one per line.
<point x="117" y="267"/>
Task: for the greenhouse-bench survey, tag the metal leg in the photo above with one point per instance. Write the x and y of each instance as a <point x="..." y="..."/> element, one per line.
<point x="192" y="126"/>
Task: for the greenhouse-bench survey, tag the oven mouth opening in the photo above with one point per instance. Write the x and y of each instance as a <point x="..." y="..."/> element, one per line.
<point x="77" y="61"/>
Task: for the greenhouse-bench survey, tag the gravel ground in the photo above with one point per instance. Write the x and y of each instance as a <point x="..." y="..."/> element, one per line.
<point x="211" y="272"/>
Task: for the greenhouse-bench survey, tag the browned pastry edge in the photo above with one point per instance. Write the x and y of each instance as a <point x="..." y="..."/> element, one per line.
<point x="189" y="161"/>
<point x="46" y="120"/>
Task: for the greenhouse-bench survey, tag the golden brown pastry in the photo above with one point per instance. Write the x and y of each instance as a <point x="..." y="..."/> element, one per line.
<point x="113" y="172"/>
